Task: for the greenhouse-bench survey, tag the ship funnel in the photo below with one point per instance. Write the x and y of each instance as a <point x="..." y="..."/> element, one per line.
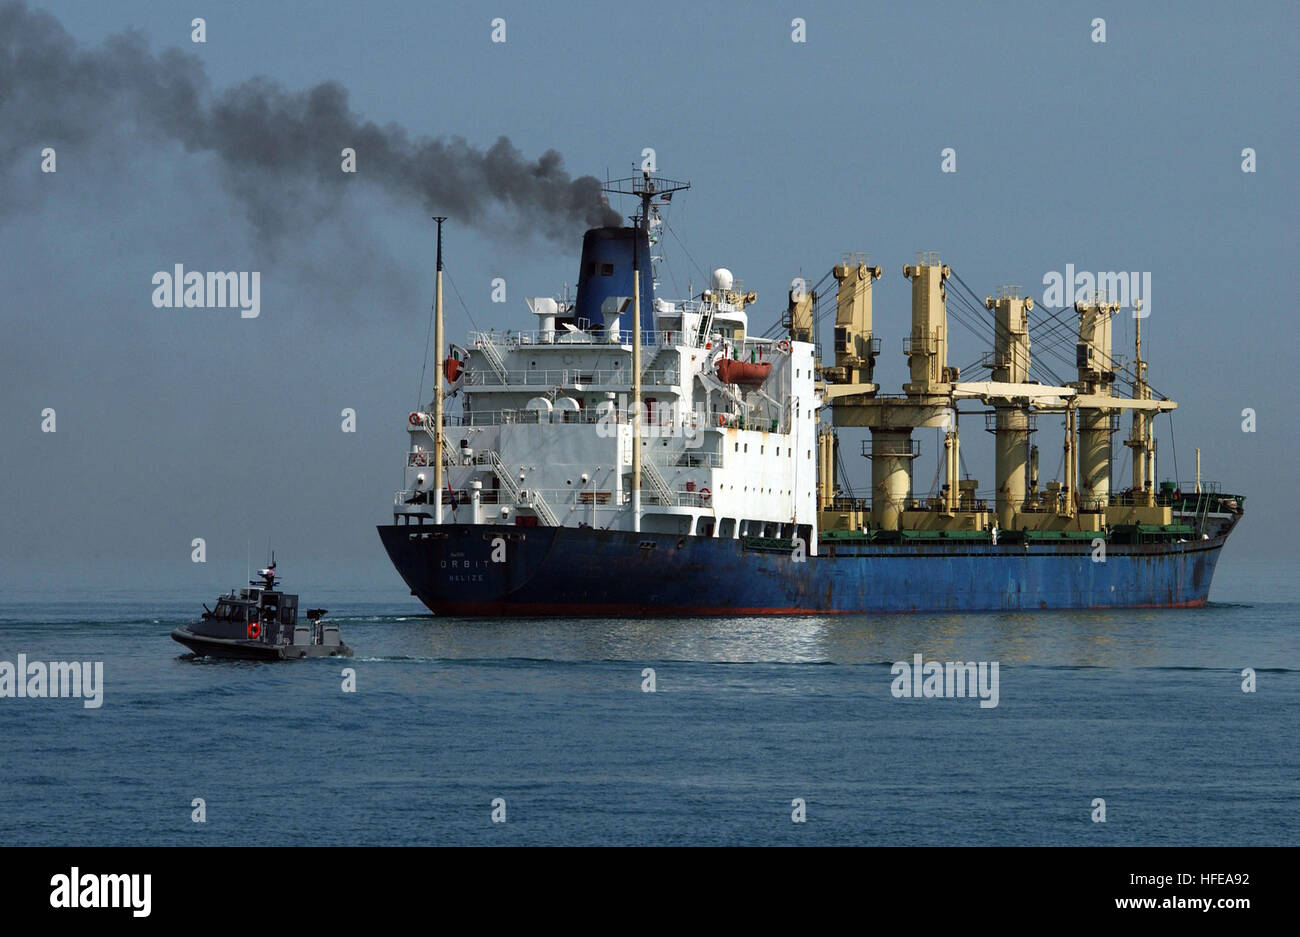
<point x="606" y="271"/>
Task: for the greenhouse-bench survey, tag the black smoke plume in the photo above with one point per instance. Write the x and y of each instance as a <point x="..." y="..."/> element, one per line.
<point x="279" y="150"/>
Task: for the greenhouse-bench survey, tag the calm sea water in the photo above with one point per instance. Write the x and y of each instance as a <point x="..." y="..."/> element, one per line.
<point x="1144" y="709"/>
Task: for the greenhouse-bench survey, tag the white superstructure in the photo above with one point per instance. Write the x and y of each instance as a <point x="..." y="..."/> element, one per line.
<point x="538" y="425"/>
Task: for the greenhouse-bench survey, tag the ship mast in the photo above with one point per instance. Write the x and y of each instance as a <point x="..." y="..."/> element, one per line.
<point x="644" y="187"/>
<point x="437" y="380"/>
<point x="1139" y="440"/>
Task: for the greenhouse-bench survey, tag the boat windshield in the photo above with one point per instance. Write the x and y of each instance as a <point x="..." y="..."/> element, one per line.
<point x="228" y="612"/>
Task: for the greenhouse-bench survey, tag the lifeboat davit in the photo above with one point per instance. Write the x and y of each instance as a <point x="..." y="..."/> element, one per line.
<point x="743" y="373"/>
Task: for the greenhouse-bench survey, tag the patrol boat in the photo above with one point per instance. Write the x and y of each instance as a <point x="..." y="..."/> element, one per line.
<point x="261" y="623"/>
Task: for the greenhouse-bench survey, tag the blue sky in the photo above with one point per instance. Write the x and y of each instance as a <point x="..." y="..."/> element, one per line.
<point x="174" y="424"/>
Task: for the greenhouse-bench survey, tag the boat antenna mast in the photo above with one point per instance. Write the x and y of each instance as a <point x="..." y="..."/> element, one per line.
<point x="646" y="188"/>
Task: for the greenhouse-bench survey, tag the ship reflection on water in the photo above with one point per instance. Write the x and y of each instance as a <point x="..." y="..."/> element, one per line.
<point x="1112" y="639"/>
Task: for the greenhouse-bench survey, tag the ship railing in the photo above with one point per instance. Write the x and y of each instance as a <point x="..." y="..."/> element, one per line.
<point x="995" y="359"/>
<point x="650" y="428"/>
<point x="678" y="499"/>
<point x="991" y="422"/>
<point x="517" y="416"/>
<point x="515" y="339"/>
<point x="983" y="495"/>
<point x="464" y="497"/>
<point x="843" y="503"/>
<point x="554" y="498"/>
<point x="1207" y="487"/>
<point x="424" y="457"/>
<point x="524" y="416"/>
<point x="936" y="503"/>
<point x="651" y="474"/>
<point x="873" y="347"/>
<point x="920" y="345"/>
<point x="755" y="422"/>
<point x="487" y="345"/>
<point x="910" y="449"/>
<point x="684" y="458"/>
<point x="568" y="377"/>
<point x="528" y="497"/>
<point x="417" y="458"/>
<point x="688" y="429"/>
<point x="407" y="497"/>
<point x="1127" y="497"/>
<point x="568" y="500"/>
<point x="548" y="500"/>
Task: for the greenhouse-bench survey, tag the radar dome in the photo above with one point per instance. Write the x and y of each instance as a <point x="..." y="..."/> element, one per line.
<point x="722" y="279"/>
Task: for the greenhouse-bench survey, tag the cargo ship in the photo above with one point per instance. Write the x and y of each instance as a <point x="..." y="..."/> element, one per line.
<point x="630" y="455"/>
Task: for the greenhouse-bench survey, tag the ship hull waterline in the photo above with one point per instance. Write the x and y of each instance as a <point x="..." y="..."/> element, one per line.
<point x="564" y="571"/>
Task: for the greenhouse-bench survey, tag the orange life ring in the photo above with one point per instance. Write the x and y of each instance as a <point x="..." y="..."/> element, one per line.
<point x="421" y="459"/>
<point x="722" y="419"/>
<point x="783" y="346"/>
<point x="705" y="494"/>
<point x="254" y="630"/>
<point x="415" y="419"/>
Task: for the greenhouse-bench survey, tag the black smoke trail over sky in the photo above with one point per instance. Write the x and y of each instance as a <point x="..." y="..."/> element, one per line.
<point x="279" y="150"/>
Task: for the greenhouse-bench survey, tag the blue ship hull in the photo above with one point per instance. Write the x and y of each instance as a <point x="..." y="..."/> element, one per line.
<point x="580" y="571"/>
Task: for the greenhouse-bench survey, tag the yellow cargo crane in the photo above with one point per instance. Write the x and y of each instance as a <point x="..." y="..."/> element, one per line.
<point x="1081" y="500"/>
<point x="1011" y="421"/>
